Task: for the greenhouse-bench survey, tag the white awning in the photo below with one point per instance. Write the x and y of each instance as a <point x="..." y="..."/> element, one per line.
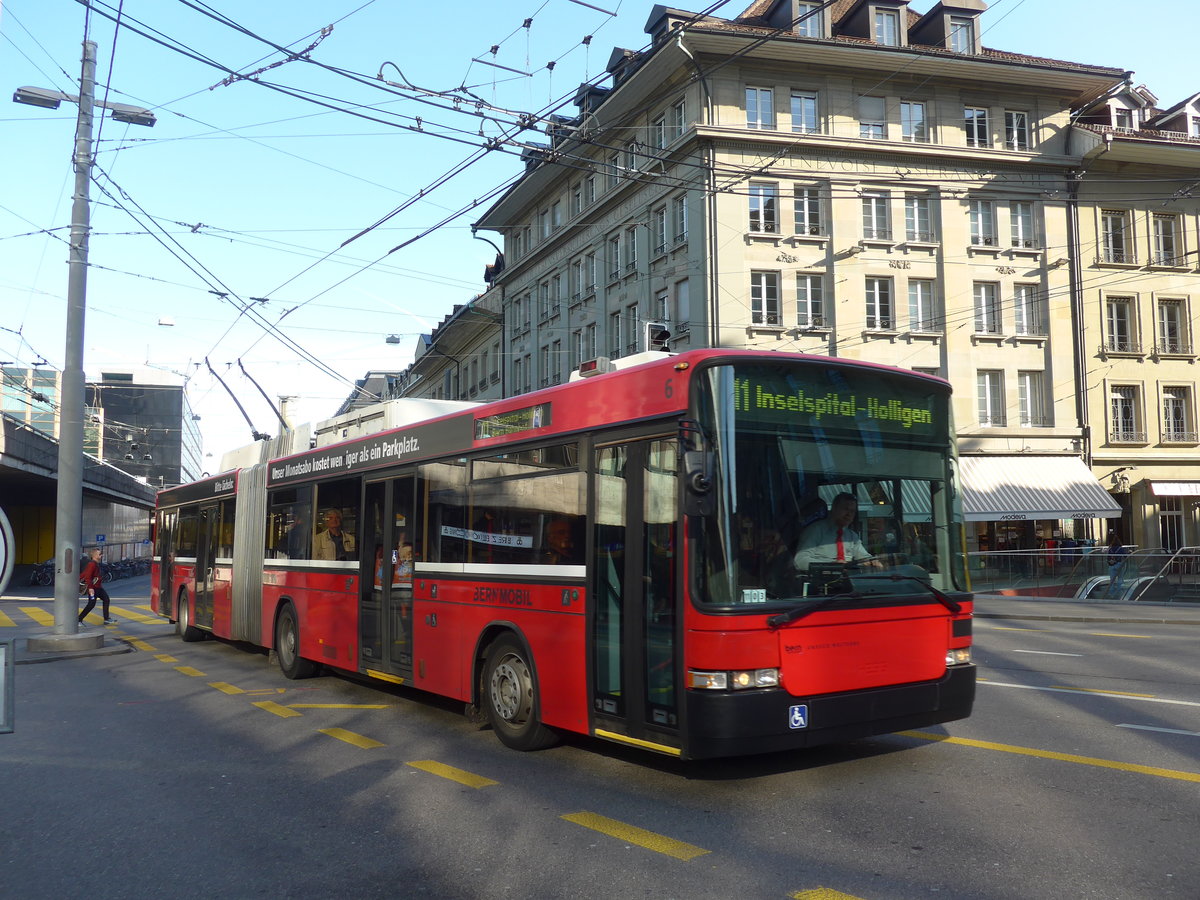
<point x="1175" y="488"/>
<point x="1016" y="488"/>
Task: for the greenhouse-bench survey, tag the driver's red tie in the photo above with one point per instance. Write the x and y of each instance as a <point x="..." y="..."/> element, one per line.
<point x="841" y="548"/>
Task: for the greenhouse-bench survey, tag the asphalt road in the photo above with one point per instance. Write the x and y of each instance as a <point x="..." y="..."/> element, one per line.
<point x="196" y="770"/>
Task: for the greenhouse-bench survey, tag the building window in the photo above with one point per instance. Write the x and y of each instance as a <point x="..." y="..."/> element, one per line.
<point x="810" y="301"/>
<point x="962" y="34"/>
<point x="659" y="224"/>
<point x="576" y="282"/>
<point x="1028" y="310"/>
<point x="922" y="315"/>
<point x="983" y="223"/>
<point x="978" y="133"/>
<point x="764" y="298"/>
<point x="876" y="225"/>
<point x="912" y="121"/>
<point x="1171" y="335"/>
<point x="576" y="198"/>
<point x="764" y="207"/>
<point x="544" y="224"/>
<point x="633" y="156"/>
<point x="1177" y="415"/>
<point x="661" y="309"/>
<point x="576" y="348"/>
<point x="1123" y="118"/>
<point x="804" y="112"/>
<point x="589" y="189"/>
<point x="589" y="274"/>
<point x="872" y="118"/>
<point x="1166" y="245"/>
<point x="1016" y="130"/>
<point x="614" y="335"/>
<point x="556" y="219"/>
<point x="989" y="394"/>
<point x="760" y="108"/>
<point x="631" y="259"/>
<point x="676" y="118"/>
<point x="683" y="307"/>
<point x="1114" y="230"/>
<point x="543" y="301"/>
<point x="1021" y="224"/>
<point x="1124" y="424"/>
<point x="1031" y="399"/>
<point x="589" y="341"/>
<point x="887" y="27"/>
<point x="630" y="323"/>
<point x="807" y="203"/>
<point x="1119" y="317"/>
<point x="658" y="132"/>
<point x="808" y="20"/>
<point x="879" y="304"/>
<point x="679" y="217"/>
<point x="615" y="170"/>
<point x="614" y="258"/>
<point x="918" y="218"/>
<point x="987" y="307"/>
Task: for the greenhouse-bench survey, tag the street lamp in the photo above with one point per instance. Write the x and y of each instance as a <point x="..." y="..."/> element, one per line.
<point x="69" y="520"/>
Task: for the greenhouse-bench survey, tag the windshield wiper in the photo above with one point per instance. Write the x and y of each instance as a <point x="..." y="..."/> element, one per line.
<point x="792" y="615"/>
<point x="941" y="598"/>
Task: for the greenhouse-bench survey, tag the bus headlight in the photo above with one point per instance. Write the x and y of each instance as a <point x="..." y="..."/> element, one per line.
<point x="741" y="680"/>
<point x="958" y="657"/>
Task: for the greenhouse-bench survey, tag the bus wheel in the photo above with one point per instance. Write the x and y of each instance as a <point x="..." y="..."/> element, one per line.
<point x="183" y="622"/>
<point x="510" y="698"/>
<point x="287" y="646"/>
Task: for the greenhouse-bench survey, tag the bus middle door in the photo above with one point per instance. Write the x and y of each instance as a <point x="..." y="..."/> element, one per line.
<point x="385" y="606"/>
<point x="206" y="560"/>
<point x="634" y="628"/>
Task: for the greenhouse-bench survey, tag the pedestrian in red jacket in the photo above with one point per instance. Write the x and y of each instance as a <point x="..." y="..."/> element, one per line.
<point x="93" y="582"/>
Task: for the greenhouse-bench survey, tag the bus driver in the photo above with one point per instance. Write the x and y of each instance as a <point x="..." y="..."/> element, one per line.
<point x="832" y="540"/>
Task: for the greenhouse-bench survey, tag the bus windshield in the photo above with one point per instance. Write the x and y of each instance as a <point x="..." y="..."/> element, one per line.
<point x="822" y="479"/>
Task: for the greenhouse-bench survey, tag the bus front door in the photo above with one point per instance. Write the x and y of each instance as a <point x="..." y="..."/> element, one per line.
<point x="635" y="616"/>
<point x="385" y="605"/>
<point x="206" y="560"/>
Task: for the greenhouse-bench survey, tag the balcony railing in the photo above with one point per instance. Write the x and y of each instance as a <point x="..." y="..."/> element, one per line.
<point x="877" y="234"/>
<point x="1121" y="345"/>
<point x="1175" y="348"/>
<point x="1126" y="436"/>
<point x="1118" y="257"/>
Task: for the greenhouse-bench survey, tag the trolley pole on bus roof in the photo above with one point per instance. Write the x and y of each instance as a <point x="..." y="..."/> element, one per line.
<point x="69" y="519"/>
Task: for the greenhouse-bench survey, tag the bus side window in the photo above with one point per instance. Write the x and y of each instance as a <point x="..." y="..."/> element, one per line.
<point x="335" y="535"/>
<point x="289" y="523"/>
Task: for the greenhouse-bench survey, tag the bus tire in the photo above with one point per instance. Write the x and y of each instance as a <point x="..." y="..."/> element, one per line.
<point x="287" y="645"/>
<point x="510" y="697"/>
<point x="183" y="622"/>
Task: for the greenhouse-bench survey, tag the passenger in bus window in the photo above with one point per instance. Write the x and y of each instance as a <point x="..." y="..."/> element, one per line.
<point x="832" y="540"/>
<point x="297" y="536"/>
<point x="558" y="548"/>
<point x="333" y="542"/>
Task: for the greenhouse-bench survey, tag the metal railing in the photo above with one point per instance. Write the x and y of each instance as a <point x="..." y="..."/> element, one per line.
<point x="1081" y="570"/>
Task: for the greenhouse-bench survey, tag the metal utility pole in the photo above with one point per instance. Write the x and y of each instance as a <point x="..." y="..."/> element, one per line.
<point x="69" y="518"/>
<point x="68" y="532"/>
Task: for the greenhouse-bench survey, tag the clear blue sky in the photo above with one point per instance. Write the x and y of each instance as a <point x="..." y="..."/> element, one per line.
<point x="251" y="190"/>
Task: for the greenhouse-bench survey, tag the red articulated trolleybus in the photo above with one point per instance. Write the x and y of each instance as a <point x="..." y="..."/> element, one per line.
<point x="632" y="555"/>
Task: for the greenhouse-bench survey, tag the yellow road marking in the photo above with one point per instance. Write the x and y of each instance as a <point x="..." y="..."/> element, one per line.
<point x="148" y="648"/>
<point x="6" y="622"/>
<point x="634" y="835"/>
<point x="272" y="707"/>
<point x="258" y="691"/>
<point x="821" y="893"/>
<point x="188" y="670"/>
<point x="134" y="616"/>
<point x="38" y="614"/>
<point x="350" y="737"/>
<point x="1140" y="637"/>
<point x="225" y="688"/>
<point x="1063" y="687"/>
<point x="1010" y="628"/>
<point x="444" y="771"/>
<point x="164" y="657"/>
<point x="340" y="705"/>
<point x="1062" y="757"/>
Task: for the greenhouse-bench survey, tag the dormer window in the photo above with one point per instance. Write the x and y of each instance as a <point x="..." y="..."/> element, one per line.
<point x="808" y="20"/>
<point x="1124" y="117"/>
<point x="887" y="27"/>
<point x="962" y="34"/>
